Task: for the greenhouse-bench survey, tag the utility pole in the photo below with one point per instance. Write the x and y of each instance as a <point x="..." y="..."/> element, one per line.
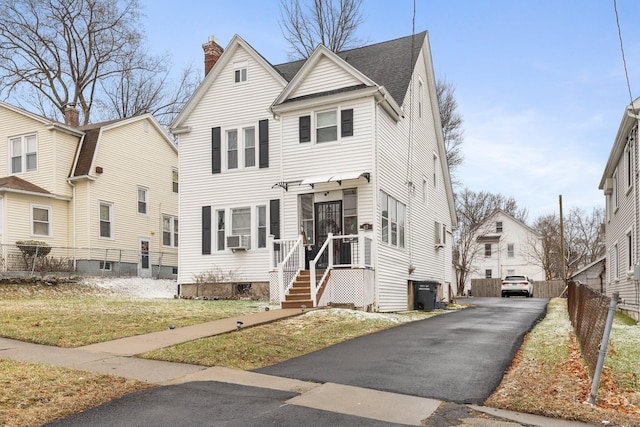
<point x="564" y="261"/>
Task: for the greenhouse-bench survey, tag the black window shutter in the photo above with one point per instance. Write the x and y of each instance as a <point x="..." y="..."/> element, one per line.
<point x="346" y="117"/>
<point x="305" y="129"/>
<point x="216" y="153"/>
<point x="206" y="230"/>
<point x="274" y="218"/>
<point x="263" y="141"/>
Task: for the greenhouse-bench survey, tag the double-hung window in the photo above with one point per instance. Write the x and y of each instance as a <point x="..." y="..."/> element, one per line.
<point x="487" y="250"/>
<point x="241" y="223"/>
<point x="511" y="251"/>
<point x="169" y="231"/>
<point x="106" y="220"/>
<point x="261" y="213"/>
<point x="220" y="230"/>
<point x="175" y="180"/>
<point x="326" y="126"/>
<point x="143" y="200"/>
<point x="249" y="147"/>
<point x="393" y="220"/>
<point x="41" y="220"/>
<point x="24" y="154"/>
<point x="350" y="208"/>
<point x="232" y="149"/>
<point x="306" y="216"/>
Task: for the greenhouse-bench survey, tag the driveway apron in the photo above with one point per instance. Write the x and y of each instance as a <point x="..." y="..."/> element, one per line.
<point x="458" y="357"/>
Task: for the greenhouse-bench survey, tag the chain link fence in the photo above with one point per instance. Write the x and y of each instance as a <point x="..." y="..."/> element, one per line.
<point x="588" y="313"/>
<point x="32" y="257"/>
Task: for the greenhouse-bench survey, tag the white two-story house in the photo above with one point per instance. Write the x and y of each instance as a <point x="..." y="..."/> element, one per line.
<point x="622" y="196"/>
<point x="325" y="178"/>
<point x="505" y="246"/>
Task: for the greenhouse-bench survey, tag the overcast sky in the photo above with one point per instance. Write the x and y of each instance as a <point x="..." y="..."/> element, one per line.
<point x="540" y="83"/>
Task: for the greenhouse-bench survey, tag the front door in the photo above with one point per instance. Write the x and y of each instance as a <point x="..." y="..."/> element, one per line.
<point x="328" y="220"/>
<point x="144" y="264"/>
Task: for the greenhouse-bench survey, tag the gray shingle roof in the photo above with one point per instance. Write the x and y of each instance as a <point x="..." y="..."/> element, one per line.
<point x="389" y="64"/>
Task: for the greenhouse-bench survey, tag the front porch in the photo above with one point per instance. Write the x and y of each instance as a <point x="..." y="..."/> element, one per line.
<point x="340" y="272"/>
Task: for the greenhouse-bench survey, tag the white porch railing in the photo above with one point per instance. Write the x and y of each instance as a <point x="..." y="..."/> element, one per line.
<point x="288" y="259"/>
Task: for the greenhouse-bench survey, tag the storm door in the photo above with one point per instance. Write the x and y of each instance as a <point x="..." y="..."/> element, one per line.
<point x="328" y="216"/>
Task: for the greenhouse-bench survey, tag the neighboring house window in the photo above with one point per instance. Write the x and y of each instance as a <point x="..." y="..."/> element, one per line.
<point x="143" y="195"/>
<point x="261" y="212"/>
<point x="392" y="217"/>
<point x="425" y="190"/>
<point x="106" y="220"/>
<point x="498" y="226"/>
<point x="511" y="250"/>
<point x="220" y="229"/>
<point x="487" y="274"/>
<point x="511" y="272"/>
<point x="487" y="250"/>
<point x="41" y="220"/>
<point x="306" y="216"/>
<point x="350" y="211"/>
<point x="629" y="251"/>
<point x="175" y="180"/>
<point x="249" y="147"/>
<point x="614" y="195"/>
<point x="169" y="231"/>
<point x="241" y="222"/>
<point x="326" y="126"/>
<point x="105" y="265"/>
<point x="24" y="154"/>
<point x="232" y="149"/>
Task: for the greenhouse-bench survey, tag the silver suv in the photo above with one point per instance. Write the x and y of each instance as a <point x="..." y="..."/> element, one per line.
<point x="517" y="285"/>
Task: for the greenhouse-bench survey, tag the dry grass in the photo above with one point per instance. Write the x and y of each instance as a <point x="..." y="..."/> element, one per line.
<point x="273" y="343"/>
<point x="33" y="394"/>
<point x="71" y="315"/>
<point x="548" y="377"/>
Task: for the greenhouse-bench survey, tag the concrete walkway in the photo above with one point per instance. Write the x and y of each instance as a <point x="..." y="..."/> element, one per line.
<point x="116" y="357"/>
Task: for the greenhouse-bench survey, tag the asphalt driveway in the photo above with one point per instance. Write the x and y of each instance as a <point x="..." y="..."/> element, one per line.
<point x="458" y="357"/>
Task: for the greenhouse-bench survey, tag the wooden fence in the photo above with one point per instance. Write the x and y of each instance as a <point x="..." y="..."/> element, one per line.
<point x="541" y="289"/>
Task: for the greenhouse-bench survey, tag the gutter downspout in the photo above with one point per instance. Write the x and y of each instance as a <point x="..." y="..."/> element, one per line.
<point x="73" y="215"/>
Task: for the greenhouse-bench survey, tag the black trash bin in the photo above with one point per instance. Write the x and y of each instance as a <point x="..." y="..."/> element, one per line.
<point x="425" y="294"/>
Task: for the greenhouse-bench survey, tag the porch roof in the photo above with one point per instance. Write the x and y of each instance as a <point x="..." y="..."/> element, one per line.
<point x="337" y="177"/>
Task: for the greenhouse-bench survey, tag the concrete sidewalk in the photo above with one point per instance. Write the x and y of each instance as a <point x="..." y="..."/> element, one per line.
<point x="115" y="357"/>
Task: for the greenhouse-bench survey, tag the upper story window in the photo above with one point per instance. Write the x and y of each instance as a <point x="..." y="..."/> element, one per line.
<point x="487" y="250"/>
<point x="249" y="139"/>
<point x="232" y="149"/>
<point x="614" y="195"/>
<point x="143" y="200"/>
<point x="175" y="180"/>
<point x="41" y="220"/>
<point x="24" y="154"/>
<point x="511" y="251"/>
<point x="498" y="226"/>
<point x="241" y="148"/>
<point x="327" y="126"/>
<point x="420" y="96"/>
<point x="240" y="71"/>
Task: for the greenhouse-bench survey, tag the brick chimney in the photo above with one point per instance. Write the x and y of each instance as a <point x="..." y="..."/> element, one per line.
<point x="212" y="52"/>
<point x="71" y="116"/>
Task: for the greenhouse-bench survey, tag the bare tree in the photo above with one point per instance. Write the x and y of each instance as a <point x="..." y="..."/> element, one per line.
<point x="472" y="210"/>
<point x="584" y="241"/>
<point x="59" y="52"/>
<point x="332" y="23"/>
<point x="451" y="121"/>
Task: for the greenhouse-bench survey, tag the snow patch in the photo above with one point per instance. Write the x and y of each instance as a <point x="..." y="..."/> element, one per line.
<point x="134" y="287"/>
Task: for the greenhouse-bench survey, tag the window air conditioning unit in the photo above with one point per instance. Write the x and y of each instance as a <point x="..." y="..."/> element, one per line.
<point x="238" y="243"/>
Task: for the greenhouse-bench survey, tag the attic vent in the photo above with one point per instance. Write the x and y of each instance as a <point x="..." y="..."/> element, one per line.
<point x="99" y="169"/>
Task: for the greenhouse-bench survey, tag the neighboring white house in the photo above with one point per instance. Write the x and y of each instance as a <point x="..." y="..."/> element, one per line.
<point x="504" y="247"/>
<point x="103" y="196"/>
<point x="593" y="275"/>
<point x="620" y="186"/>
<point x="331" y="169"/>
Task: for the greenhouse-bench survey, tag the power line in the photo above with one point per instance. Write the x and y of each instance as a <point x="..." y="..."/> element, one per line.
<point x="624" y="61"/>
